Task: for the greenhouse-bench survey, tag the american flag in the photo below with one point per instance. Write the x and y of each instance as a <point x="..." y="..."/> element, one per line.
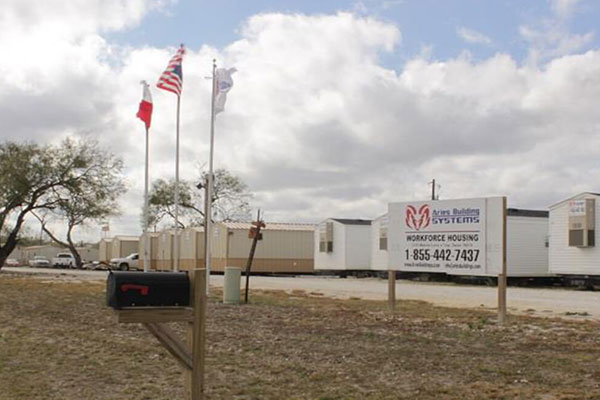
<point x="172" y="78"/>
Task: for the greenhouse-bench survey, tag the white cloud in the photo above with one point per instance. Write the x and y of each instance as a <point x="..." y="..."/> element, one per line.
<point x="563" y="8"/>
<point x="472" y="36"/>
<point x="315" y="124"/>
<point x="360" y="8"/>
<point x="553" y="41"/>
<point x="551" y="37"/>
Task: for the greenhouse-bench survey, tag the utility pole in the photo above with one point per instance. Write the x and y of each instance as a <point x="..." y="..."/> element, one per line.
<point x="433" y="186"/>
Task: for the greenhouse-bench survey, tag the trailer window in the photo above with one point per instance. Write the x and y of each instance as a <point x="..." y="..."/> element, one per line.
<point x="326" y="237"/>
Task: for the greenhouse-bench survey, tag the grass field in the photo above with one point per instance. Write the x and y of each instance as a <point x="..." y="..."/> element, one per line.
<point x="59" y="341"/>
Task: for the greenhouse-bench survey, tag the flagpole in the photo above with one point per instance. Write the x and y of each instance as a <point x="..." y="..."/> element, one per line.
<point x="208" y="212"/>
<point x="176" y="236"/>
<point x="146" y="241"/>
<point x="172" y="81"/>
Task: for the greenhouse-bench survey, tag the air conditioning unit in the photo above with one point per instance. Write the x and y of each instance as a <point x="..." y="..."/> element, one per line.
<point x="582" y="222"/>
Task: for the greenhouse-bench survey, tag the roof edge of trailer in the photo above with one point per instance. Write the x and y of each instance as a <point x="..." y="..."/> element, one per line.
<point x="40" y="246"/>
<point x="520" y="212"/>
<point x="352" y="221"/>
<point x="275" y="226"/>
<point x="126" y="237"/>
<point x="573" y="197"/>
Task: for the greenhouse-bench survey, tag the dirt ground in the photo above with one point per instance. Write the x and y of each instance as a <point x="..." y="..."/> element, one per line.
<point x="59" y="341"/>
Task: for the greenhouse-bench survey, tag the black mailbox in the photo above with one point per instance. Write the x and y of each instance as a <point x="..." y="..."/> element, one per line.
<point x="145" y="289"/>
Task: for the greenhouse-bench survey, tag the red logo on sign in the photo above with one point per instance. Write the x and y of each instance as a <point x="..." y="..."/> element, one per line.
<point x="418" y="220"/>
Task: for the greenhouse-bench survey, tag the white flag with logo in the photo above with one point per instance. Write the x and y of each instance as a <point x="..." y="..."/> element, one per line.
<point x="224" y="84"/>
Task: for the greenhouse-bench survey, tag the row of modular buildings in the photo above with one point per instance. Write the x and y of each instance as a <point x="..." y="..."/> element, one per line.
<point x="357" y="245"/>
<point x="283" y="248"/>
<point x="558" y="243"/>
<point x="539" y="243"/>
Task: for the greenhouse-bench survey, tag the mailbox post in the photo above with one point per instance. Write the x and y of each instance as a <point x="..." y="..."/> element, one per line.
<point x="156" y="298"/>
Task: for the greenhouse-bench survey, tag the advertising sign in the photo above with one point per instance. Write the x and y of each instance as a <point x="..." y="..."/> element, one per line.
<point x="449" y="236"/>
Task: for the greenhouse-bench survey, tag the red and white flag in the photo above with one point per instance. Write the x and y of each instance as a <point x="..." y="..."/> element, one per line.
<point x="172" y="78"/>
<point x="145" y="111"/>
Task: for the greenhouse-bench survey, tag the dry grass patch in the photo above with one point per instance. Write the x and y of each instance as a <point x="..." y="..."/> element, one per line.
<point x="59" y="341"/>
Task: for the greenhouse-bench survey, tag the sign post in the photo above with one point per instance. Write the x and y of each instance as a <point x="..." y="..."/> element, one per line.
<point x="196" y="335"/>
<point x="392" y="289"/>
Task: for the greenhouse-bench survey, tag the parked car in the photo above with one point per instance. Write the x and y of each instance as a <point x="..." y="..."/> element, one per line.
<point x="127" y="263"/>
<point x="11" y="262"/>
<point x="64" y="260"/>
<point x="39" y="261"/>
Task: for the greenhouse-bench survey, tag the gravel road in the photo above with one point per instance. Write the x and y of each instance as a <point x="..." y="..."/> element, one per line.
<point x="533" y="301"/>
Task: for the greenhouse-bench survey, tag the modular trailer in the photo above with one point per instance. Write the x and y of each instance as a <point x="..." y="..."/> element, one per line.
<point x="284" y="248"/>
<point x="122" y="246"/>
<point x="164" y="258"/>
<point x="192" y="249"/>
<point x="152" y="250"/>
<point x="343" y="246"/>
<point x="105" y="250"/>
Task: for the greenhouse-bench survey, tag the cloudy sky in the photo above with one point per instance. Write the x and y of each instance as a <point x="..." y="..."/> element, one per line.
<point x="338" y="107"/>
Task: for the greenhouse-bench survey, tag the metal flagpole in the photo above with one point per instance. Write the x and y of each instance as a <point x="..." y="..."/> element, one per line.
<point x="208" y="212"/>
<point x="146" y="241"/>
<point x="176" y="236"/>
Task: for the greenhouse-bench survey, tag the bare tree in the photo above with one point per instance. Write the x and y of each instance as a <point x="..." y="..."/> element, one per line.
<point x="162" y="203"/>
<point x="35" y="178"/>
<point x="90" y="197"/>
<point x="230" y="200"/>
<point x="28" y="175"/>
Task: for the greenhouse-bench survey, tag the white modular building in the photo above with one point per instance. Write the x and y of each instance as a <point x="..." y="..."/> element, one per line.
<point x="572" y="236"/>
<point x="343" y="244"/>
<point x="105" y="250"/>
<point x="527" y="243"/>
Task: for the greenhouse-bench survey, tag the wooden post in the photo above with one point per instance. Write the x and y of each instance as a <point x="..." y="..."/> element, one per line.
<point x="191" y="356"/>
<point x="259" y="224"/>
<point x="502" y="279"/>
<point x="392" y="289"/>
<point x="196" y="336"/>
